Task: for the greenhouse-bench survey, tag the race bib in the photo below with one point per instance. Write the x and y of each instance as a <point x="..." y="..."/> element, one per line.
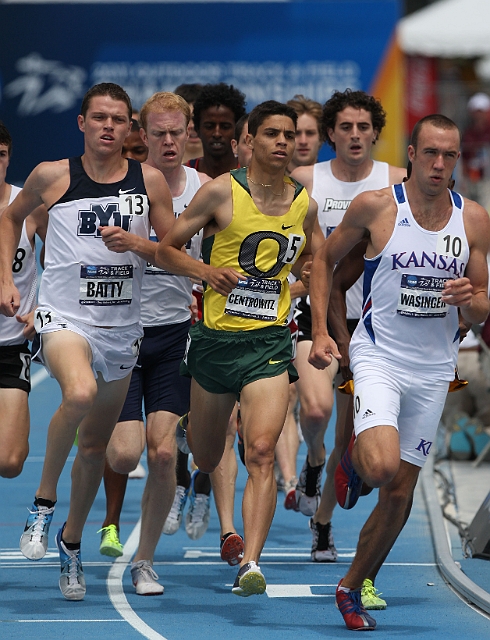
<point x="421" y="297"/>
<point x="133" y="204"/>
<point x="103" y="285"/>
<point x="256" y="298"/>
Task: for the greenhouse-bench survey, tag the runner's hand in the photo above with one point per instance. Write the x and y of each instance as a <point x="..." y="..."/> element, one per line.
<point x="321" y="352"/>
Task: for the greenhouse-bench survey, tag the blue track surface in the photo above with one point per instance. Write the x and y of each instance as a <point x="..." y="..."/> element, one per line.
<point x="198" y="603"/>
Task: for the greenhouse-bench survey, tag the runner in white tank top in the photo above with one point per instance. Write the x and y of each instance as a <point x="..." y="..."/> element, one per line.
<point x="155" y="379"/>
<point x="15" y="356"/>
<point x="426" y="258"/>
<point x="25" y="278"/>
<point x="90" y="321"/>
<point x="352" y="122"/>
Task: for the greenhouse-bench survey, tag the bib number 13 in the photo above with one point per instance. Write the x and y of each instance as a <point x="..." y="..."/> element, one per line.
<point x="42" y="319"/>
<point x="133" y="204"/>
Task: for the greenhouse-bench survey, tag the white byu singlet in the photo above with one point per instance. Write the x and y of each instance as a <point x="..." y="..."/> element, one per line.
<point x="333" y="197"/>
<point x="25" y="279"/>
<point x="403" y="317"/>
<point x="82" y="279"/>
<point x="165" y="297"/>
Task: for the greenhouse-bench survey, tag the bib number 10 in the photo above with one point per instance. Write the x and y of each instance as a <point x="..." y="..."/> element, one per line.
<point x="448" y="245"/>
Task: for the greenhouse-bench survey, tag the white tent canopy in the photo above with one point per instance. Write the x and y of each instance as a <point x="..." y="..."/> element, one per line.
<point x="448" y="29"/>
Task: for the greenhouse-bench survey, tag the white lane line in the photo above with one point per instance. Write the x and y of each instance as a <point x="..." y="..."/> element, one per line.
<point x="64" y="621"/>
<point x="39" y="377"/>
<point x="116" y="592"/>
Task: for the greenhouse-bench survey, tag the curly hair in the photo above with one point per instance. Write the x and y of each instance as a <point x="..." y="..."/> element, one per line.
<point x="340" y="100"/>
<point x="215" y="95"/>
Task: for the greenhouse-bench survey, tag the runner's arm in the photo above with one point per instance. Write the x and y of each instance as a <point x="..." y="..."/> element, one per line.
<point x="201" y="211"/>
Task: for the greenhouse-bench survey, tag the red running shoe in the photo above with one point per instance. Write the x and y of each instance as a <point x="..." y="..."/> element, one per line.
<point x="231" y="548"/>
<point x="348" y="484"/>
<point x="355" y="616"/>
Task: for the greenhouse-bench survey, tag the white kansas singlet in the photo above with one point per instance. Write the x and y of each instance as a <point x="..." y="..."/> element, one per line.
<point x="25" y="279"/>
<point x="404" y="319"/>
<point x="82" y="279"/>
<point x="333" y="197"/>
<point x="165" y="297"/>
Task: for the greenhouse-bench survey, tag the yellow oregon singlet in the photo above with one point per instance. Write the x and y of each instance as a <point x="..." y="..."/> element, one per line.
<point x="263" y="248"/>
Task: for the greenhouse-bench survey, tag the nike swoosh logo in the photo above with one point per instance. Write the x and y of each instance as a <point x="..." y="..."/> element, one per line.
<point x="123" y="367"/>
<point x="275" y="361"/>
<point x="290" y="226"/>
<point x="123" y="191"/>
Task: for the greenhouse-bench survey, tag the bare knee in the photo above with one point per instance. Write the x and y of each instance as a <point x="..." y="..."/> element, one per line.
<point x="11" y="465"/>
<point x="79" y="399"/>
<point x="162" y="457"/>
<point x="315" y="415"/>
<point x="377" y="471"/>
<point x="124" y="461"/>
<point x="260" y="452"/>
<point x="92" y="450"/>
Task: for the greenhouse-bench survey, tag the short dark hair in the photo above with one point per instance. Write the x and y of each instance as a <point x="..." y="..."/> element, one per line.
<point x="266" y="109"/>
<point x="215" y="95"/>
<point x="189" y="92"/>
<point x="340" y="100"/>
<point x="436" y="120"/>
<point x="5" y="138"/>
<point x="110" y="89"/>
<point x="239" y="126"/>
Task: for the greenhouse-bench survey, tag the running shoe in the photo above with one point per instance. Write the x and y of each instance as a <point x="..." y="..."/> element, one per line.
<point x="348" y="484"/>
<point x="181" y="433"/>
<point x="322" y="547"/>
<point x="197" y="517"/>
<point x="290" y="491"/>
<point x="355" y="616"/>
<point x="370" y="596"/>
<point x="145" y="579"/>
<point x="138" y="473"/>
<point x="309" y="489"/>
<point x="174" y="518"/>
<point x="110" y="545"/>
<point x="250" y="581"/>
<point x="34" y="540"/>
<point x="231" y="548"/>
<point x="72" y="580"/>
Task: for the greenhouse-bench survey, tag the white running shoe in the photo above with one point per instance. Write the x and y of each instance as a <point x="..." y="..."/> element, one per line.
<point x="138" y="473"/>
<point x="145" y="579"/>
<point x="322" y="546"/>
<point x="72" y="580"/>
<point x="250" y="581"/>
<point x="309" y="489"/>
<point x="34" y="540"/>
<point x="197" y="518"/>
<point x="174" y="518"/>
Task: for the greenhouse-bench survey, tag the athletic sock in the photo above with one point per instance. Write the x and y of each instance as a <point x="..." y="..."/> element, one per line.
<point x="71" y="546"/>
<point x="42" y="502"/>
<point x="312" y="474"/>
